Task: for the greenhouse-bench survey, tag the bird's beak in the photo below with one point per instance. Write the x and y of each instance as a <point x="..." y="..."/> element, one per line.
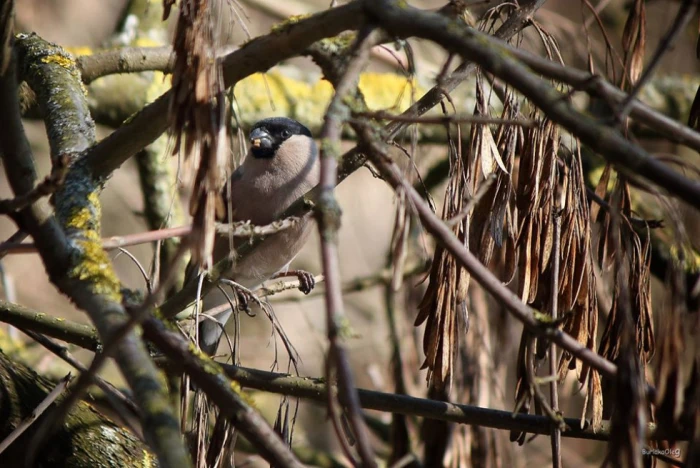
<point x="259" y="138"/>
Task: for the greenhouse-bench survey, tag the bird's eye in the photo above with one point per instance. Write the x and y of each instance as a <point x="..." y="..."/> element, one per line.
<point x="286" y="133"/>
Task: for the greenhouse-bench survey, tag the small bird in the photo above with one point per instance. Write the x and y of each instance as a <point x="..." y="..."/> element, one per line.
<point x="281" y="166"/>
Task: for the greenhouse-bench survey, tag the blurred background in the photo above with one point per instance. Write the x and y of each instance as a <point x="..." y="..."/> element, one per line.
<point x="368" y="219"/>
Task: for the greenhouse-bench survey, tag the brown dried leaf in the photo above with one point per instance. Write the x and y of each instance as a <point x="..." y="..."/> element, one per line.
<point x="634" y="41"/>
<point x="443" y="307"/>
<point x="197" y="118"/>
<point x="601" y="190"/>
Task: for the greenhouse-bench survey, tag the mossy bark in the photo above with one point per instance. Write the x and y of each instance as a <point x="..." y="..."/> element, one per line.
<point x="85" y="439"/>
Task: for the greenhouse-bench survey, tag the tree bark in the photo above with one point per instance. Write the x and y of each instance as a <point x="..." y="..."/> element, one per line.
<point x="85" y="439"/>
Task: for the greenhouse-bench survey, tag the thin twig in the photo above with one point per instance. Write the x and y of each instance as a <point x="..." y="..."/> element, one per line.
<point x="121" y="402"/>
<point x="46" y="187"/>
<point x="15" y="238"/>
<point x="554" y="310"/>
<point x="447" y="119"/>
<point x="281" y="286"/>
<point x="43" y="406"/>
<point x="328" y="215"/>
<point x="242" y="229"/>
<point x="316" y="390"/>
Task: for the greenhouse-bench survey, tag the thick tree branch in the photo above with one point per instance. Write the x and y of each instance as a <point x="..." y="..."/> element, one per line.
<point x="86" y="438"/>
<point x="500" y="60"/>
<point x="69" y="242"/>
<point x="260" y="54"/>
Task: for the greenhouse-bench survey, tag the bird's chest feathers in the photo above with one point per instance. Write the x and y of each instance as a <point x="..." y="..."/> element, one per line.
<point x="267" y="193"/>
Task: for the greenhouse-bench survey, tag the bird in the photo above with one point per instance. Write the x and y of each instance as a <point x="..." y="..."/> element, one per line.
<point x="281" y="165"/>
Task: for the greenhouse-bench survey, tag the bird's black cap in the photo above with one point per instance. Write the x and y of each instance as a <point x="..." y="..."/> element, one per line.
<point x="267" y="135"/>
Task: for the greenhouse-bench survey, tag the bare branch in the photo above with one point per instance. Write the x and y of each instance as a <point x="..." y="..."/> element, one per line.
<point x="316" y="389"/>
<point x="328" y="216"/>
<point x="124" y="60"/>
<point x="77" y="265"/>
<point x="500" y="60"/>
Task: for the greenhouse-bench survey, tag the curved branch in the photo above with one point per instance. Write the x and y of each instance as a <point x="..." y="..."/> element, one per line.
<point x="69" y="242"/>
<point x="124" y="60"/>
<point x="500" y="60"/>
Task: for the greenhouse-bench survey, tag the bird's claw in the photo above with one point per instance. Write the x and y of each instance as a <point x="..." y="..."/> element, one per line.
<point x="306" y="281"/>
<point x="243" y="299"/>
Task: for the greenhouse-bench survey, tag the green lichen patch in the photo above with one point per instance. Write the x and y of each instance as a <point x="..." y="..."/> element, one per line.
<point x="279" y="28"/>
<point x="338" y="44"/>
<point x="94" y="267"/>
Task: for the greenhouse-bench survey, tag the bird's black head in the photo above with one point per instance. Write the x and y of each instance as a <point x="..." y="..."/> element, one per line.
<point x="267" y="135"/>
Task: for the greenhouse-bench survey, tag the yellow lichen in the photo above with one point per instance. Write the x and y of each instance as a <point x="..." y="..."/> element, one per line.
<point x="93" y="264"/>
<point x="61" y="60"/>
<point x="144" y="41"/>
<point x="94" y="267"/>
<point x="80" y="220"/>
<point x="544" y="319"/>
<point x="339" y="43"/>
<point x="79" y="50"/>
<point x="247" y="397"/>
<point x="258" y="94"/>
<point x="284" y="25"/>
<point x="147" y="461"/>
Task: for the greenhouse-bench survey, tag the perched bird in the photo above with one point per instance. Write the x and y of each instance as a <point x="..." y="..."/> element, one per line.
<point x="281" y="166"/>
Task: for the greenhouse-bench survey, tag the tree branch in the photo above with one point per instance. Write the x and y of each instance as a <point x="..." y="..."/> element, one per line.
<point x="328" y="216"/>
<point x="500" y="60"/>
<point x="260" y="54"/>
<point x="124" y="60"/>
<point x="316" y="390"/>
<point x="69" y="242"/>
<point x="75" y="333"/>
